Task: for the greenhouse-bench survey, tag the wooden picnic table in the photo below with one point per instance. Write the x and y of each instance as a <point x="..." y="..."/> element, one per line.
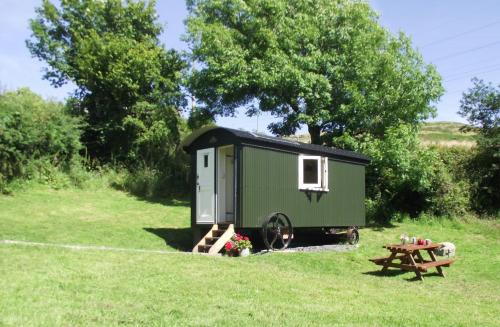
<point x="411" y="259"/>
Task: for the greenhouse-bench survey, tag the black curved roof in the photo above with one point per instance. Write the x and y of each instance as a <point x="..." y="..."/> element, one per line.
<point x="278" y="143"/>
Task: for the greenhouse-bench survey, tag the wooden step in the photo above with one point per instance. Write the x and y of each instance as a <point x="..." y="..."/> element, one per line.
<point x="211" y="240"/>
<point x="204" y="248"/>
<point x="431" y="264"/>
<point x="215" y="239"/>
<point x="217" y="232"/>
<point x="223" y="226"/>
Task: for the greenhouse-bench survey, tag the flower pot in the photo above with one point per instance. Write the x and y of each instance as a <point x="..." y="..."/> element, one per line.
<point x="245" y="252"/>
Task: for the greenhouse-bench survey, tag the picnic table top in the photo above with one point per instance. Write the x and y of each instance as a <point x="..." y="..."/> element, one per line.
<point x="411" y="247"/>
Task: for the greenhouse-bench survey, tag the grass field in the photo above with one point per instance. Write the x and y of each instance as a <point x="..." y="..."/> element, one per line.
<point x="51" y="286"/>
<point x="446" y="134"/>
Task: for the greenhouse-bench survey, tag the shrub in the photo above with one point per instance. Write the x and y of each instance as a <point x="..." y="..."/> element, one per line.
<point x="476" y="172"/>
<point x="484" y="177"/>
<point x="36" y="137"/>
<point x="448" y="195"/>
<point x="406" y="178"/>
<point x="169" y="177"/>
<point x="398" y="174"/>
<point x="155" y="164"/>
<point x="480" y="105"/>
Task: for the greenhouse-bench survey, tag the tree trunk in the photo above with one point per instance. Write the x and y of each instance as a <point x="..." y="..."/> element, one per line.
<point x="315" y="133"/>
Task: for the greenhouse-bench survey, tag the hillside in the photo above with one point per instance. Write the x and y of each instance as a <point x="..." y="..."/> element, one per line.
<point x="432" y="133"/>
<point x="446" y="134"/>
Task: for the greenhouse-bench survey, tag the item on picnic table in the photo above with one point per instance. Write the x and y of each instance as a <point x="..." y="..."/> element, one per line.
<point x="414" y="240"/>
<point x="446" y="249"/>
<point x="420" y="241"/>
<point x="404" y="238"/>
<point x="428" y="241"/>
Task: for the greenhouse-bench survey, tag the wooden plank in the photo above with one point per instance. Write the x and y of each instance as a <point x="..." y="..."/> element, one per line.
<point x="421" y="266"/>
<point x="411" y="247"/>
<point x="382" y="259"/>
<point x="223" y="239"/>
<point x="419" y="256"/>
<point x="438" y="268"/>
<point x="211" y="239"/>
<point x="388" y="261"/>
<point x="415" y="269"/>
<point x="203" y="239"/>
<point x="402" y="266"/>
<point x="437" y="264"/>
<point x="203" y="248"/>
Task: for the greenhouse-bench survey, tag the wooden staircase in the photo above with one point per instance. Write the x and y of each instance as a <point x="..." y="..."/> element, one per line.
<point x="215" y="239"/>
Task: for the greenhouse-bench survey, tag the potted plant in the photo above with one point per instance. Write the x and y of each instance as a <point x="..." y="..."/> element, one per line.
<point x="238" y="245"/>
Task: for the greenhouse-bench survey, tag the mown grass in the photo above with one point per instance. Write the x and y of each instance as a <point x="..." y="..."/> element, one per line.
<point x="53" y="286"/>
<point x="95" y="216"/>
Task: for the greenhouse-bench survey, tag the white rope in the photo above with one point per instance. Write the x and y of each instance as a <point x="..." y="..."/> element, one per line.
<point x="90" y="247"/>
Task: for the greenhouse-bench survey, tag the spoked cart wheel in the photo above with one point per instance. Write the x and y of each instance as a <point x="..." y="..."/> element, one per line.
<point x="352" y="235"/>
<point x="277" y="231"/>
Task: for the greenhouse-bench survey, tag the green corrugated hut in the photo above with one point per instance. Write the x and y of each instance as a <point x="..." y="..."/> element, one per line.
<point x="249" y="181"/>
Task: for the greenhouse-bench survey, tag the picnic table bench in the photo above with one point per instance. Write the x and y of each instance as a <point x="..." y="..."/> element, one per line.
<point x="411" y="259"/>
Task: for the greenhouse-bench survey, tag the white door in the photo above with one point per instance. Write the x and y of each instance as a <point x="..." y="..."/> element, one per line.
<point x="205" y="186"/>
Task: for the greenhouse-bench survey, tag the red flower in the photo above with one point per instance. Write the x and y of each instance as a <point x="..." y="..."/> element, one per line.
<point x="228" y="246"/>
<point x="246" y="238"/>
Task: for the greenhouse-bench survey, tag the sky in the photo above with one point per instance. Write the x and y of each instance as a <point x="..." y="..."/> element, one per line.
<point x="460" y="37"/>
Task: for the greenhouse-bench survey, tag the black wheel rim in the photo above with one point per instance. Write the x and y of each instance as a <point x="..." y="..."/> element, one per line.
<point x="277" y="231"/>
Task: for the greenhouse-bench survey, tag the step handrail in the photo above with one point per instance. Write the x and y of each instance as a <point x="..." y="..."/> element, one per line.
<point x="203" y="241"/>
<point x="223" y="239"/>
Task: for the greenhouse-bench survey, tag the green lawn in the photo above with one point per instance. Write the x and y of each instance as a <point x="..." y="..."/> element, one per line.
<point x="56" y="286"/>
<point x="94" y="217"/>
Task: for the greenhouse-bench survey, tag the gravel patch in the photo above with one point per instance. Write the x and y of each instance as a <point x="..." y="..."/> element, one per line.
<point x="322" y="248"/>
<point x="316" y="248"/>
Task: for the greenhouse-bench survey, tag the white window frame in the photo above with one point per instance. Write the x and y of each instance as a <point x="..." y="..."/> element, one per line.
<point x="322" y="184"/>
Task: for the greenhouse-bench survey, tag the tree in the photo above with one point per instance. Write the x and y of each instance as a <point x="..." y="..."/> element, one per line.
<point x="128" y="85"/>
<point x="480" y="105"/>
<point x="325" y="64"/>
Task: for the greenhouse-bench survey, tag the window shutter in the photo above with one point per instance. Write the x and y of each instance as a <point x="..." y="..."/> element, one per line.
<point x="324" y="183"/>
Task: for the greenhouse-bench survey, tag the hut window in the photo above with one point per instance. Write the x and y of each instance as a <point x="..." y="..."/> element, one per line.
<point x="313" y="173"/>
<point x="205" y="161"/>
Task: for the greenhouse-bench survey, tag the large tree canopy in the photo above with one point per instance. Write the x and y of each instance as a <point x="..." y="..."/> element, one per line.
<point x="327" y="64"/>
<point x="128" y="84"/>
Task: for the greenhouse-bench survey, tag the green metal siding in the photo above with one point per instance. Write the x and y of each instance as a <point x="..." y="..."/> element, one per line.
<point x="269" y="183"/>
